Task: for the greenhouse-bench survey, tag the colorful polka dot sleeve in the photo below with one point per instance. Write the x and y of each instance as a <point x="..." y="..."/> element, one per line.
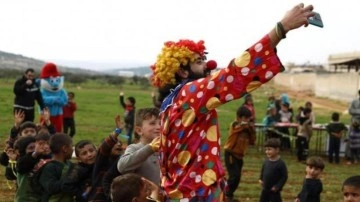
<point x="190" y="143"/>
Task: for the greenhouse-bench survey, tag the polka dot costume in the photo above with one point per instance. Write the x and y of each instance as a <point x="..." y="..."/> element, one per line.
<point x="190" y="143"/>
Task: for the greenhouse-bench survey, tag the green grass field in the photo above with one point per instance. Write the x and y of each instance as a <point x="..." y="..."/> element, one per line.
<point x="98" y="104"/>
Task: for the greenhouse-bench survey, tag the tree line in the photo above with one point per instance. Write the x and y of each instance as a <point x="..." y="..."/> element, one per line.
<point x="83" y="78"/>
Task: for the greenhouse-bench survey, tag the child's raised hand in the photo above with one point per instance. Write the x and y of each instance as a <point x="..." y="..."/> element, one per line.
<point x="46" y="114"/>
<point x="121" y="93"/>
<point x="11" y="154"/>
<point x="19" y="117"/>
<point x="118" y="122"/>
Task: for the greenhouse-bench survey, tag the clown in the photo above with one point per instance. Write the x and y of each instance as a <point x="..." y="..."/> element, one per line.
<point x="54" y="96"/>
<point x="189" y="149"/>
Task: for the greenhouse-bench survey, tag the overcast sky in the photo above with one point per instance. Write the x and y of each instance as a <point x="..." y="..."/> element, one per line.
<point x="132" y="32"/>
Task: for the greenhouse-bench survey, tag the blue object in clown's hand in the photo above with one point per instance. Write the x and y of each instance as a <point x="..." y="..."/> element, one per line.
<point x="316" y="20"/>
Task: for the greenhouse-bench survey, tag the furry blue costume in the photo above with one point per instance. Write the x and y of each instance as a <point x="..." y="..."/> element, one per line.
<point x="53" y="93"/>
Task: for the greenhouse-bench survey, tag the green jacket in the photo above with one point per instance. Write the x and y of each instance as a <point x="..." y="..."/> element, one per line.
<point x="51" y="179"/>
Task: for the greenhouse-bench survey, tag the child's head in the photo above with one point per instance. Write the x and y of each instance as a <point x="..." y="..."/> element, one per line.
<point x="314" y="167"/>
<point x="355" y="124"/>
<point x="27" y="128"/>
<point x="308" y="104"/>
<point x="285" y="107"/>
<point x="307" y="112"/>
<point x="335" y="116"/>
<point x="85" y="152"/>
<point x="128" y="187"/>
<point x="24" y="145"/>
<point x="243" y="114"/>
<point x="248" y="99"/>
<point x="117" y="149"/>
<point x="272" y="148"/>
<point x="271" y="98"/>
<point x="271" y="110"/>
<point x="147" y="123"/>
<point x="351" y="189"/>
<point x="71" y="95"/>
<point x="130" y="101"/>
<point x="61" y="144"/>
<point x="42" y="142"/>
<point x="284" y="98"/>
<point x="300" y="109"/>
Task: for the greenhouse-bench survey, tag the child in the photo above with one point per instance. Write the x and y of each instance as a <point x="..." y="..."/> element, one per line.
<point x="249" y="103"/>
<point x="142" y="158"/>
<point x="129" y="115"/>
<point x="31" y="150"/>
<point x="68" y="115"/>
<point x="241" y="134"/>
<point x="335" y="130"/>
<point x="354" y="141"/>
<point x="312" y="186"/>
<point x="27" y="128"/>
<point x="269" y="122"/>
<point x="79" y="178"/>
<point x="271" y="101"/>
<point x="108" y="152"/>
<point x="285" y="116"/>
<point x="351" y="189"/>
<point x="309" y="105"/>
<point x="132" y="187"/>
<point x="273" y="172"/>
<point x="20" y="129"/>
<point x="53" y="172"/>
<point x="303" y="135"/>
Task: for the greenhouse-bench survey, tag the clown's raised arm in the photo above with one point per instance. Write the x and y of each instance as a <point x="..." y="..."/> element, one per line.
<point x="190" y="160"/>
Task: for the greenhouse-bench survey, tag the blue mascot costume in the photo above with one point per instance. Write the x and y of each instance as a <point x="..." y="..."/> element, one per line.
<point x="54" y="96"/>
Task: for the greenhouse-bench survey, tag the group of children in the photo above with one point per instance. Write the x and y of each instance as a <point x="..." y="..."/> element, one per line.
<point x="274" y="172"/>
<point x="280" y="117"/>
<point x="40" y="160"/>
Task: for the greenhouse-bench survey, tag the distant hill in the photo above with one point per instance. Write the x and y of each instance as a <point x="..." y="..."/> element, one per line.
<point x="20" y="62"/>
<point x="138" y="71"/>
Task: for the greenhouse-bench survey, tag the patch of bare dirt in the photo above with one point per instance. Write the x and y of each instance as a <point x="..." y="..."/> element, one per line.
<point x="318" y="102"/>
